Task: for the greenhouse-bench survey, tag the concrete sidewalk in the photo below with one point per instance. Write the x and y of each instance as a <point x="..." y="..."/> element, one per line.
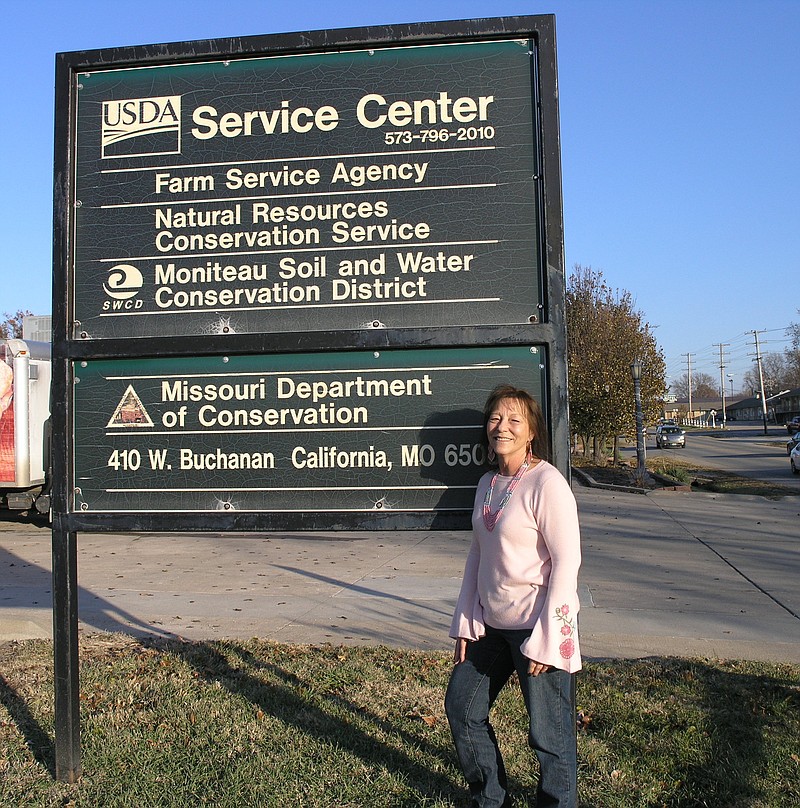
<point x="684" y="574"/>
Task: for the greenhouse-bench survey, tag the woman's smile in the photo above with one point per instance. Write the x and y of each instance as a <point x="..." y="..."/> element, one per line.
<point x="509" y="435"/>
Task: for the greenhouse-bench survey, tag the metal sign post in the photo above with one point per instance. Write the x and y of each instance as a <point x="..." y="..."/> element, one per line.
<point x="288" y="270"/>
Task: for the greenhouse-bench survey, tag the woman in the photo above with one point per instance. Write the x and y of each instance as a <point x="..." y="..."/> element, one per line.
<point x="518" y="608"/>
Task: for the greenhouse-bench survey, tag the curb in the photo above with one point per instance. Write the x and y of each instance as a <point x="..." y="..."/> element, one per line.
<point x="667" y="484"/>
<point x="590" y="481"/>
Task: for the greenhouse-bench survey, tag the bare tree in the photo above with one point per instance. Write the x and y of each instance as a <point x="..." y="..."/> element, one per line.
<point x="704" y="386"/>
<point x="777" y="375"/>
<point x="11" y="325"/>
<point x="792" y="356"/>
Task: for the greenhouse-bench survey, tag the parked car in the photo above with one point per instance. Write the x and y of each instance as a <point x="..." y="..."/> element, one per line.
<point x="793" y="425"/>
<point x="792" y="442"/>
<point x="794" y="459"/>
<point x="669" y="436"/>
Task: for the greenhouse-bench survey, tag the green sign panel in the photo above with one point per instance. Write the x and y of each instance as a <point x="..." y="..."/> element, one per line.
<point x="334" y="433"/>
<point x="392" y="187"/>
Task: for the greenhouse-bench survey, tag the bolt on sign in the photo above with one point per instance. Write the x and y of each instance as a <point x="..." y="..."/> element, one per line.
<point x="312" y="191"/>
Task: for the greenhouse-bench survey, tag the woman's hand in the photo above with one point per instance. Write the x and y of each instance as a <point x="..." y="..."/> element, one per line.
<point x="460" y="653"/>
<point x="535" y="668"/>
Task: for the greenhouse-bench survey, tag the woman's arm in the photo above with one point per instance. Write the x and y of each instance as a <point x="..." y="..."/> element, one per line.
<point x="554" y="639"/>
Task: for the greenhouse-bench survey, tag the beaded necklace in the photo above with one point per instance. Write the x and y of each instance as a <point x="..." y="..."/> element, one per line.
<point x="489" y="518"/>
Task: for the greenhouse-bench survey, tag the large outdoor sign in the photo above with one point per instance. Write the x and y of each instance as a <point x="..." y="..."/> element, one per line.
<point x="359" y="432"/>
<point x="288" y="270"/>
<point x="378" y="187"/>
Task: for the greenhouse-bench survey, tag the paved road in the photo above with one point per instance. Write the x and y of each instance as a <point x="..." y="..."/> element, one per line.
<point x="740" y="449"/>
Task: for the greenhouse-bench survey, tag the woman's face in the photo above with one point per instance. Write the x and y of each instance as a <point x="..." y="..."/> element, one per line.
<point x="509" y="432"/>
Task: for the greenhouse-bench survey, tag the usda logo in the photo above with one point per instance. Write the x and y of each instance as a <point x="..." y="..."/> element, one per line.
<point x="138" y="127"/>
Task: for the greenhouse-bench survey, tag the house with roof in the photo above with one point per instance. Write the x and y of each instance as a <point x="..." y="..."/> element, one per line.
<point x="780" y="408"/>
<point x="787" y="406"/>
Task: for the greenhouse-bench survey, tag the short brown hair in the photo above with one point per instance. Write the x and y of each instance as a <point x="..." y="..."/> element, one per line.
<point x="540" y="445"/>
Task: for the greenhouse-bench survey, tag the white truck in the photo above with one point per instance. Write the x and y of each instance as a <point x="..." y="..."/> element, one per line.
<point x="25" y="369"/>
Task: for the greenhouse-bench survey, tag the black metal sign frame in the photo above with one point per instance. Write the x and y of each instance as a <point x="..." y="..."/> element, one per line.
<point x="118" y="300"/>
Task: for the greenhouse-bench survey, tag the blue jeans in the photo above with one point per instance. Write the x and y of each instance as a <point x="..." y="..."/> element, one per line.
<point x="550" y="702"/>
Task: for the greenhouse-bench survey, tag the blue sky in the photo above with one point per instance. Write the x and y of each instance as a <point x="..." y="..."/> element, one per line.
<point x="680" y="147"/>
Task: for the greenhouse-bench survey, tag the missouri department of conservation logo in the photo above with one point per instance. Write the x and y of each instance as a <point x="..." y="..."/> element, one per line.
<point x="130" y="412"/>
<point x="139" y="127"/>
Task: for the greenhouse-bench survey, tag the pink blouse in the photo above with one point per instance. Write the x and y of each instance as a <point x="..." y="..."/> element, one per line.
<point x="524" y="573"/>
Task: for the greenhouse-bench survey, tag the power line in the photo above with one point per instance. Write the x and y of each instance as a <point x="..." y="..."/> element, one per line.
<point x="739" y="356"/>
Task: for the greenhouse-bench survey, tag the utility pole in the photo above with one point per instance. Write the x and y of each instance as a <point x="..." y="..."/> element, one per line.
<point x="722" y="346"/>
<point x="689" y="376"/>
<point x="761" y="379"/>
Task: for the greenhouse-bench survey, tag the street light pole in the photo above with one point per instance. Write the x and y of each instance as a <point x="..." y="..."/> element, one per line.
<point x="641" y="449"/>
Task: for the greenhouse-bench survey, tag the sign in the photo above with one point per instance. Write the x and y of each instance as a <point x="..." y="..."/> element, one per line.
<point x="236" y="222"/>
<point x="385" y="187"/>
<point x="305" y="433"/>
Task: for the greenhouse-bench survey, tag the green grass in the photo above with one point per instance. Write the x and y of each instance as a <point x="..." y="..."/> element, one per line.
<point x="670" y="468"/>
<point x="254" y="723"/>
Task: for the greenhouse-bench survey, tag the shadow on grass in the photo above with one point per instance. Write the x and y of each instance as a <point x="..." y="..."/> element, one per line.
<point x="311" y="707"/>
<point x="740" y="709"/>
<point x="669" y="732"/>
<point x="719" y="732"/>
<point x="39" y="743"/>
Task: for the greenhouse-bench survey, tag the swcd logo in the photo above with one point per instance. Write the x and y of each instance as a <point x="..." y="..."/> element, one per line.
<point x="137" y="127"/>
<point x="123" y="284"/>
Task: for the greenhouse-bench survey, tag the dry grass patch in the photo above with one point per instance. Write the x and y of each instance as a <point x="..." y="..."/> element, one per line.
<point x="168" y="723"/>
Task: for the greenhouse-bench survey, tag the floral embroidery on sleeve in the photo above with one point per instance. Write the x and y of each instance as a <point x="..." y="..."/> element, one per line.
<point x="567" y="647"/>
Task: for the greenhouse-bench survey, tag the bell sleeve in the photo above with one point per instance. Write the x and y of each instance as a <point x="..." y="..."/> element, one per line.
<point x="554" y="637"/>
<point x="468" y="617"/>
